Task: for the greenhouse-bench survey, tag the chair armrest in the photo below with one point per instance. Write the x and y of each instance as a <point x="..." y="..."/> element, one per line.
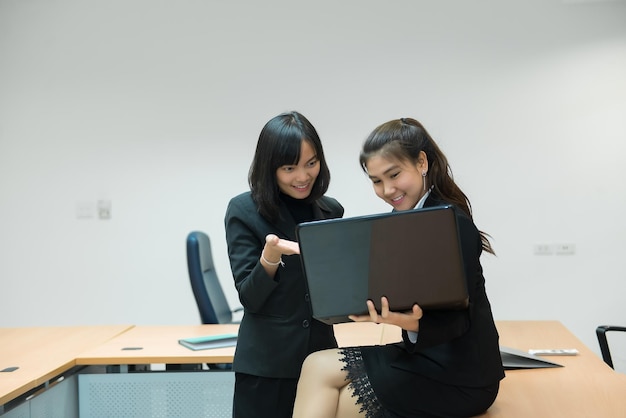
<point x="236" y="315"/>
<point x="602" y="340"/>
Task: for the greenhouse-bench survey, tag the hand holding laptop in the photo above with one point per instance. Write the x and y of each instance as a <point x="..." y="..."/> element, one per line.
<point x="406" y="320"/>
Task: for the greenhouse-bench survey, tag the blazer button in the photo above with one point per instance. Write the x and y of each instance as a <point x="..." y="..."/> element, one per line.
<point x="305" y="323"/>
<point x="307" y="298"/>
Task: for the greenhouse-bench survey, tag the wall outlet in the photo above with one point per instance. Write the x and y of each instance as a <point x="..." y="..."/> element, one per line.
<point x="104" y="209"/>
<point x="565" y="249"/>
<point x="543" y="249"/>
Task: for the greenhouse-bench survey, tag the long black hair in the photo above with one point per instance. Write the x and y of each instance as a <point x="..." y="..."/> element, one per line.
<point x="279" y="144"/>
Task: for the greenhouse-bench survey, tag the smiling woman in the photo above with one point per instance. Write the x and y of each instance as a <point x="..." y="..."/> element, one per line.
<point x="448" y="362"/>
<point x="399" y="183"/>
<point x="296" y="180"/>
<point x="288" y="179"/>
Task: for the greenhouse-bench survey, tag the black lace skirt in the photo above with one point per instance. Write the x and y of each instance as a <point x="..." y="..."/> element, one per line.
<point x="360" y="384"/>
<point x="383" y="391"/>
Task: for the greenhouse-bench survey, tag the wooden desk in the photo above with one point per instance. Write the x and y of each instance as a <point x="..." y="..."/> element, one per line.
<point x="153" y="344"/>
<point x="44" y="353"/>
<point x="584" y="387"/>
<point x="159" y="344"/>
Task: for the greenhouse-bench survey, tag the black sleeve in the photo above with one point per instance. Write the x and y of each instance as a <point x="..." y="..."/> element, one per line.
<point x="440" y="326"/>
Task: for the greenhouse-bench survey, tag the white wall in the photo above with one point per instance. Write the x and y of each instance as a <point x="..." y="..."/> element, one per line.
<point x="156" y="106"/>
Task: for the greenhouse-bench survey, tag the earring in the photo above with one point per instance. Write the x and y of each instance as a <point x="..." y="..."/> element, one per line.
<point x="424" y="179"/>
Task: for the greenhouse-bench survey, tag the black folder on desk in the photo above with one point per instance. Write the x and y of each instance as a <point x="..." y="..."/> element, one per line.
<point x="514" y="359"/>
<point x="409" y="256"/>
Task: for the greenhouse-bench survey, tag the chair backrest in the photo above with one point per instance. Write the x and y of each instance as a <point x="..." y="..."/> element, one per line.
<point x="207" y="290"/>
<point x="603" y="341"/>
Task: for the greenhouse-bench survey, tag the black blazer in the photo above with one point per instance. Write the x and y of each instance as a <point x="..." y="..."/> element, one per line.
<point x="459" y="347"/>
<point x="277" y="330"/>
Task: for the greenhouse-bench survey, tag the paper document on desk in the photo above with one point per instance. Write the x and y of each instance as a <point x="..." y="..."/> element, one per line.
<point x="209" y="341"/>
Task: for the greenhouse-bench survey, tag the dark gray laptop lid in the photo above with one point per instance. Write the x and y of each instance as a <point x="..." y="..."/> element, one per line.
<point x="409" y="256"/>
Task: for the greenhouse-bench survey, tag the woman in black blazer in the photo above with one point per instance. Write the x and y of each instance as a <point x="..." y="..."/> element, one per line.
<point x="448" y="364"/>
<point x="288" y="178"/>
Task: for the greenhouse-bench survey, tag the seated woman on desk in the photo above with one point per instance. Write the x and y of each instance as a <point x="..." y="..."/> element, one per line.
<point x="448" y="364"/>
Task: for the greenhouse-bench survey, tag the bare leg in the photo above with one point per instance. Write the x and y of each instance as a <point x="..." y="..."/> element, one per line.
<point x="323" y="390"/>
<point x="348" y="407"/>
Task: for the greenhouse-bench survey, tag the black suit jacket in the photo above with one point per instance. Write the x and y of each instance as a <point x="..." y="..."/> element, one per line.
<point x="459" y="347"/>
<point x="277" y="330"/>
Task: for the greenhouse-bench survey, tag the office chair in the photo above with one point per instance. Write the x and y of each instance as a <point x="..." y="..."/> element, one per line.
<point x="207" y="290"/>
<point x="604" y="345"/>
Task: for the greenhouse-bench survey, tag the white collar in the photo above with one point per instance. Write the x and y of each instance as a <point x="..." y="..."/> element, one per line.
<point x="420" y="204"/>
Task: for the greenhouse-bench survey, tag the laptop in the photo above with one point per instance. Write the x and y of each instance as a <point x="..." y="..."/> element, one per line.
<point x="409" y="256"/>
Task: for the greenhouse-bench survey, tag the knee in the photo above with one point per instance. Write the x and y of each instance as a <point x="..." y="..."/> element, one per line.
<point x="314" y="362"/>
<point x="323" y="366"/>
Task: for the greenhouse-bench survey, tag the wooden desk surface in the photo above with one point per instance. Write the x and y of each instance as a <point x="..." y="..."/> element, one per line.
<point x="43" y="353"/>
<point x="159" y="344"/>
<point x="584" y="387"/>
<point x="151" y="344"/>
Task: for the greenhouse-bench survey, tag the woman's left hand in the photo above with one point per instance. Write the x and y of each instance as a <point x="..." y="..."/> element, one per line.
<point x="282" y="246"/>
<point x="406" y="320"/>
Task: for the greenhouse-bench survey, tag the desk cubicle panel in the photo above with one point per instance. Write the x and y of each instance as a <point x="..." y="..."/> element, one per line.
<point x="206" y="394"/>
<point x="59" y="400"/>
<point x="20" y="411"/>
